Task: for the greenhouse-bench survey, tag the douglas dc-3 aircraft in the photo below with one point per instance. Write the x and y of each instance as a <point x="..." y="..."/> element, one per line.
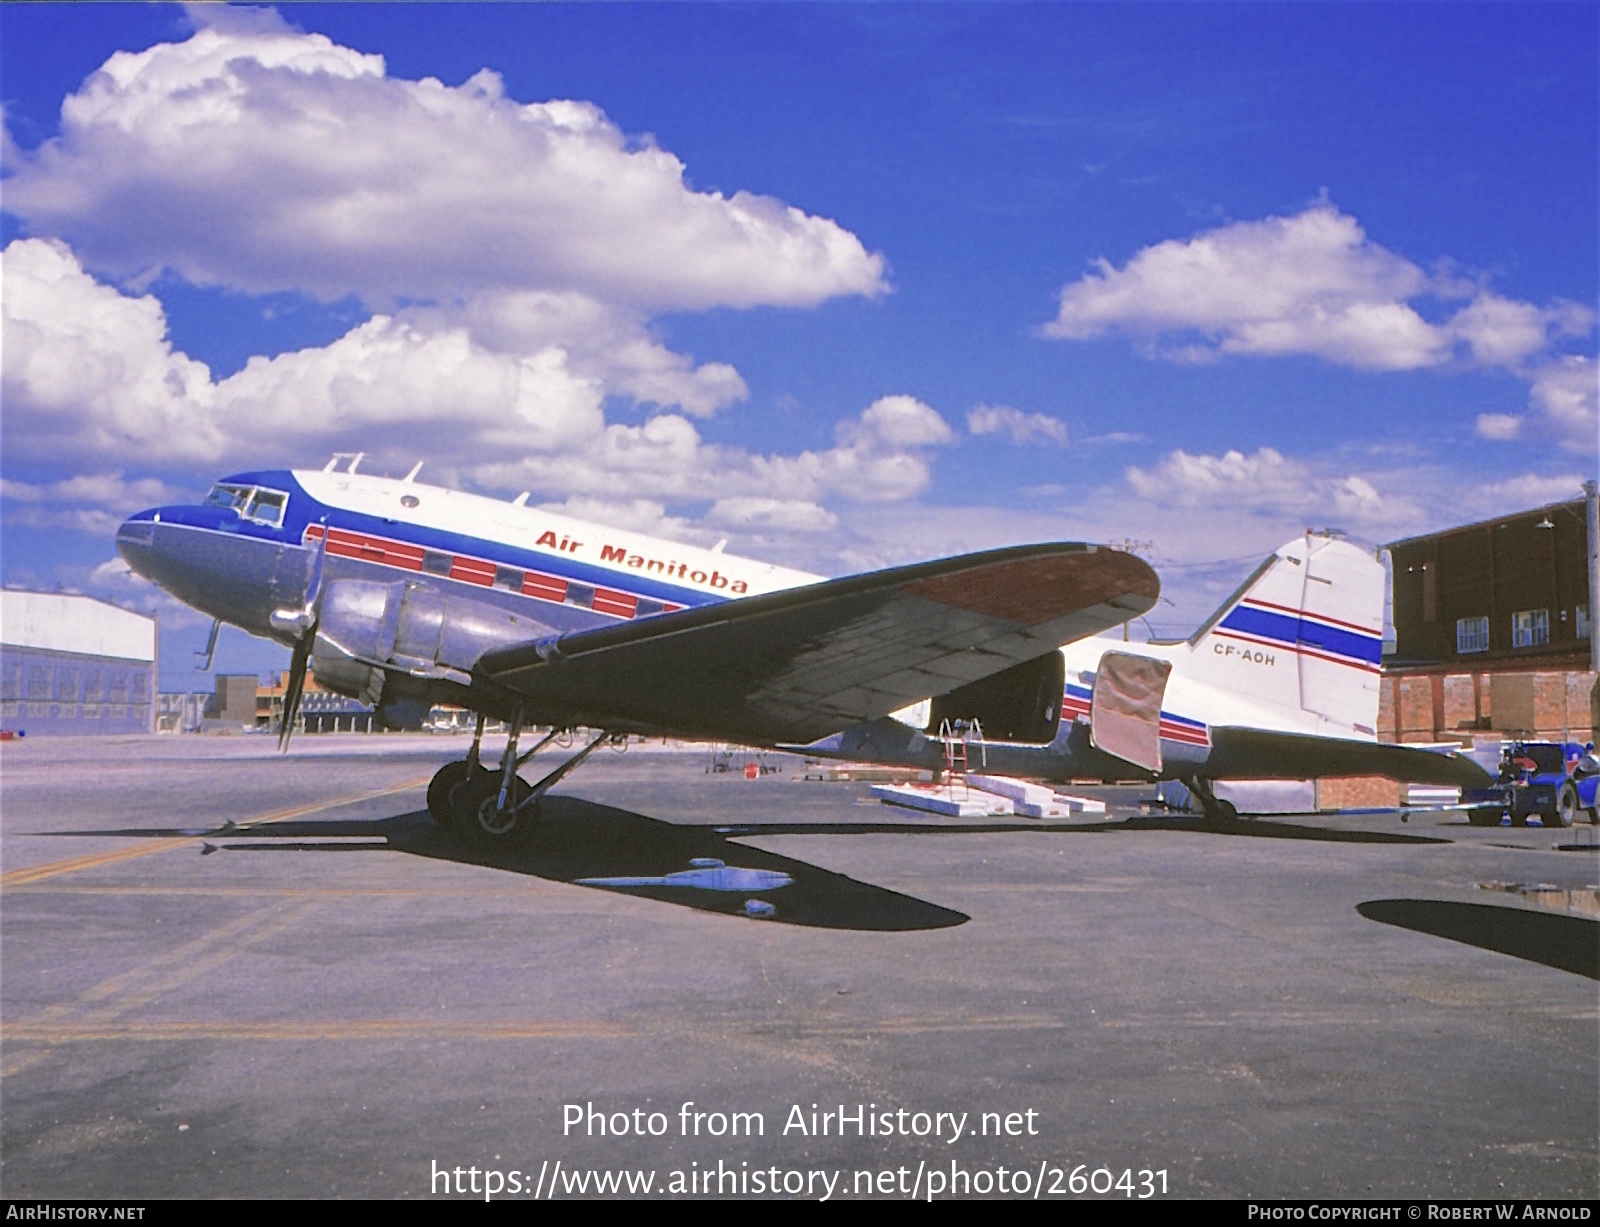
<point x="406" y="595"/>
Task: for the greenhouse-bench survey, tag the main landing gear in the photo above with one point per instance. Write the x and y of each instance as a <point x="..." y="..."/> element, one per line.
<point x="493" y="807"/>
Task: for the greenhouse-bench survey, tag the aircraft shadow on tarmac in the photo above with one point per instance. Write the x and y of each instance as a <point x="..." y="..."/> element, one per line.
<point x="587" y="844"/>
<point x="1567" y="943"/>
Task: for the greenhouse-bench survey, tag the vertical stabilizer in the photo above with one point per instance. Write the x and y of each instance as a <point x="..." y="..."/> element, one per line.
<point x="1304" y="633"/>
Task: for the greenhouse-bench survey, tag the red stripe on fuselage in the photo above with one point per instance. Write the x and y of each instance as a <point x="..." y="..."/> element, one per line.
<point x="385" y="551"/>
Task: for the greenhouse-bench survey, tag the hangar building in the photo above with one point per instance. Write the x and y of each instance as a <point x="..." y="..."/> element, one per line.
<point x="1494" y="627"/>
<point x="72" y="664"/>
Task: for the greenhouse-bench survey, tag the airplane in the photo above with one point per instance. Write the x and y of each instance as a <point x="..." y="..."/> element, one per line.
<point x="405" y="595"/>
<point x="1280" y="682"/>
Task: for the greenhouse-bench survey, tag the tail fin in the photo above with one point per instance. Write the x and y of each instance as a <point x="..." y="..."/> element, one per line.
<point x="1303" y="633"/>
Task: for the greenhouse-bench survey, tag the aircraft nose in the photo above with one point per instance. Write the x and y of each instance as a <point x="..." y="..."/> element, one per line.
<point x="136" y="541"/>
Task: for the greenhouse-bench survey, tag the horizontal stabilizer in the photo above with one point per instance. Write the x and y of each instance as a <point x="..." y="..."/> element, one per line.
<point x="1251" y="754"/>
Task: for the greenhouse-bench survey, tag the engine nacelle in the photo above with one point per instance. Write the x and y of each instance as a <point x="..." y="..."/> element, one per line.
<point x="410" y="627"/>
<point x="1022" y="703"/>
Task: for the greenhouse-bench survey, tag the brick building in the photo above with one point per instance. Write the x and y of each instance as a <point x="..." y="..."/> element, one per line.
<point x="1493" y="624"/>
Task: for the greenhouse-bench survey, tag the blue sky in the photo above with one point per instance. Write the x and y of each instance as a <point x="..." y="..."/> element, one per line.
<point x="847" y="284"/>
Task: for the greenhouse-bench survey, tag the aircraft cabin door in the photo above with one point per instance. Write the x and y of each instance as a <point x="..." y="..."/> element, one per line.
<point x="1125" y="708"/>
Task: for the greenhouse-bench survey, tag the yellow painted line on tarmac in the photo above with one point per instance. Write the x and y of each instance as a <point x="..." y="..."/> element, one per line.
<point x="101" y="1004"/>
<point x="924" y="1026"/>
<point x="56" y="1033"/>
<point x="523" y="886"/>
<point x="52" y="869"/>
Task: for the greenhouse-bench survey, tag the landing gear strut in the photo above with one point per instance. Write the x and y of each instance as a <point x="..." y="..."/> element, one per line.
<point x="493" y="809"/>
<point x="1217" y="813"/>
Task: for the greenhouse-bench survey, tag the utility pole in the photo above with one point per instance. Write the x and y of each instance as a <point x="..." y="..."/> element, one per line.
<point x="1591" y="493"/>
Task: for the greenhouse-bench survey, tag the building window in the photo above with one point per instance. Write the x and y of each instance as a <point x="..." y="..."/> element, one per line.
<point x="1530" y="628"/>
<point x="1583" y="621"/>
<point x="1472" y="635"/>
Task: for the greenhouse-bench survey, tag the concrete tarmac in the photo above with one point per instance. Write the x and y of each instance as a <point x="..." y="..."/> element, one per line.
<point x="330" y="997"/>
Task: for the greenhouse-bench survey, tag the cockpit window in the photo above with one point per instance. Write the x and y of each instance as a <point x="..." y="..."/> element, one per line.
<point x="228" y="496"/>
<point x="266" y="507"/>
<point x="261" y="506"/>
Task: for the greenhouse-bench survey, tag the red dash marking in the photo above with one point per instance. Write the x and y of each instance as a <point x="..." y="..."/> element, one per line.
<point x="619" y="604"/>
<point x="545" y="587"/>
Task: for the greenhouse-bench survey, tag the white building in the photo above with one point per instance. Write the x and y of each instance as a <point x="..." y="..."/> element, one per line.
<point x="72" y="664"/>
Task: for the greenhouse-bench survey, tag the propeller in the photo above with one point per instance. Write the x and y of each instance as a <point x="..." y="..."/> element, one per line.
<point x="303" y="622"/>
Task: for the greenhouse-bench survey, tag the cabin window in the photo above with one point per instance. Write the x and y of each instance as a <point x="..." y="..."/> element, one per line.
<point x="1530" y="628"/>
<point x="1472" y="635"/>
<point x="581" y="595"/>
<point x="437" y="562"/>
<point x="509" y="578"/>
<point x="646" y="607"/>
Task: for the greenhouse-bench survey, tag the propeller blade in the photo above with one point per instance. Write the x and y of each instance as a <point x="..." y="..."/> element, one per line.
<point x="295" y="687"/>
<point x="314" y="584"/>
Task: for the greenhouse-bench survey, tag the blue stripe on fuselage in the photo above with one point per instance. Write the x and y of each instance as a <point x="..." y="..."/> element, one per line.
<point x="1293" y="631"/>
<point x="304" y="510"/>
<point x="1084" y="695"/>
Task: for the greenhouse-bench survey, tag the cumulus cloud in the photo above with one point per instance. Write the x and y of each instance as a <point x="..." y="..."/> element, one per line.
<point x="1309" y="284"/>
<point x="603" y="342"/>
<point x="1021" y="428"/>
<point x="639" y="515"/>
<point x="1499" y="426"/>
<point x="1566" y="396"/>
<point x="260" y="158"/>
<point x="89" y="372"/>
<point x="1266" y="481"/>
<point x="513" y="255"/>
<point x="792" y="515"/>
<point x="1315" y="284"/>
<point x="881" y="456"/>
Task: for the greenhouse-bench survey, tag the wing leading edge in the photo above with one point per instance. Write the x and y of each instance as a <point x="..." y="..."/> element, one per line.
<point x="795" y="665"/>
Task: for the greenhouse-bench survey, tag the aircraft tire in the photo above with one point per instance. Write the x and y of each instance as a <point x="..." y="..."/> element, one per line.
<point x="1485" y="815"/>
<point x="442" y="788"/>
<point x="476" y="815"/>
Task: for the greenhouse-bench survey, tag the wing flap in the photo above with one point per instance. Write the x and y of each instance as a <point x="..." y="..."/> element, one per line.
<point x="795" y="665"/>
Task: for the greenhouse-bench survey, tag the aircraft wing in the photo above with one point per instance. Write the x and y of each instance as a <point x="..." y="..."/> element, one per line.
<point x="795" y="665"/>
<point x="1243" y="753"/>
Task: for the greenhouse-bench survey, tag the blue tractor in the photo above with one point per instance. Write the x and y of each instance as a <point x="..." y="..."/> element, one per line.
<point x="1556" y="782"/>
